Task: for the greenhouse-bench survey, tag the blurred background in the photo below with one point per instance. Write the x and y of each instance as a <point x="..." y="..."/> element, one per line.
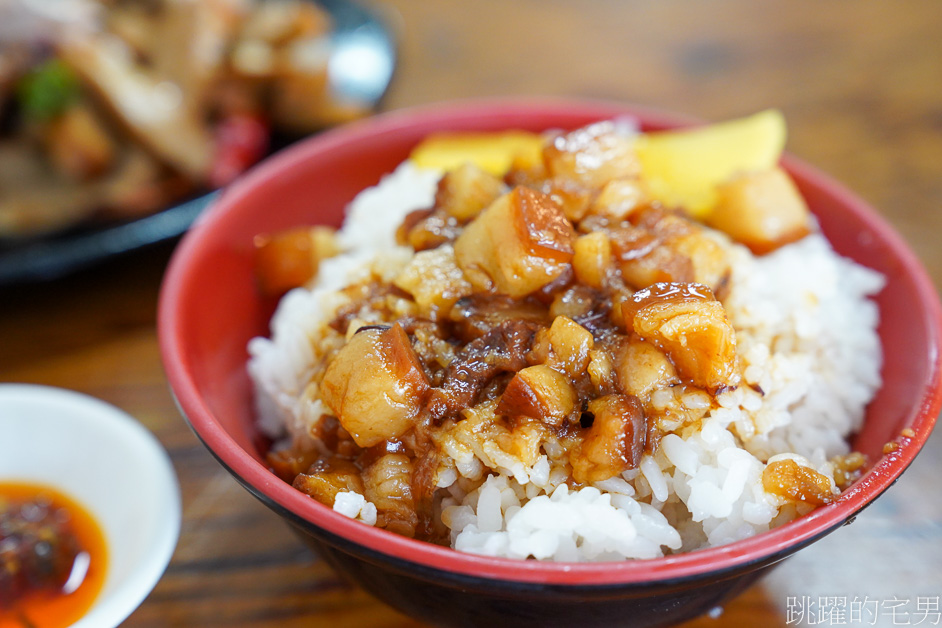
<point x="857" y="80"/>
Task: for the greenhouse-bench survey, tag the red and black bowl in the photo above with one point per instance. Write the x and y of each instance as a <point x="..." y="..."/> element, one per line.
<point x="209" y="309"/>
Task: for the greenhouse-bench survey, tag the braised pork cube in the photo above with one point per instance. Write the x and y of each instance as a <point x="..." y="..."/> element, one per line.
<point x="327" y="477"/>
<point x="425" y="229"/>
<point x="526" y="170"/>
<point x="687" y="323"/>
<point x="387" y="483"/>
<point x="643" y="368"/>
<point x="434" y="280"/>
<point x="592" y="156"/>
<point x="592" y="258"/>
<point x="709" y="261"/>
<point x="466" y="191"/>
<point x="572" y="197"/>
<point x="519" y="244"/>
<point x="644" y="260"/>
<point x="763" y="210"/>
<point x="619" y="199"/>
<point x="791" y="480"/>
<point x="682" y="237"/>
<point x="289" y="259"/>
<point x="564" y="346"/>
<point x="375" y="385"/>
<point x="287" y="462"/>
<point x="540" y="393"/>
<point x="613" y="443"/>
<point x="601" y="371"/>
<point x="586" y="306"/>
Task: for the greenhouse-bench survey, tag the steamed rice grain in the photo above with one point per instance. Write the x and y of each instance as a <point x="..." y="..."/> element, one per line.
<point x="805" y="327"/>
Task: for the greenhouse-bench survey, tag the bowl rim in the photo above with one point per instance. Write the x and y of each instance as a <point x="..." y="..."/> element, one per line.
<point x="118" y="598"/>
<point x="739" y="554"/>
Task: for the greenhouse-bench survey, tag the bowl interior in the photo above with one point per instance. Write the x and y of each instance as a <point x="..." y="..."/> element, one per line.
<point x="109" y="464"/>
<point x="210" y="308"/>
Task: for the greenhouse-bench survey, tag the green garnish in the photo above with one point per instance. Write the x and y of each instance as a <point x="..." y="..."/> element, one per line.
<point x="48" y="90"/>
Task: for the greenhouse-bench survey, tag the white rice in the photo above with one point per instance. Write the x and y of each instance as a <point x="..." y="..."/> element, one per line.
<point x="805" y="329"/>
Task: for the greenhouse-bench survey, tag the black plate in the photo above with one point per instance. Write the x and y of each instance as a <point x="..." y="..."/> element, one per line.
<point x="356" y="30"/>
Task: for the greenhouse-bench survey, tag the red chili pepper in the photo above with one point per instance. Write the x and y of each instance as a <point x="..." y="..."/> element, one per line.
<point x="241" y="141"/>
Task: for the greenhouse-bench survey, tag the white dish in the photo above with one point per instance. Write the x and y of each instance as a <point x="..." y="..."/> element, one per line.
<point x="114" y="467"/>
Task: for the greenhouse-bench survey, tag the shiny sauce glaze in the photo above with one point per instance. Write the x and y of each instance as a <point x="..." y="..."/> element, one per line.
<point x="555" y="309"/>
<point x="53" y="557"/>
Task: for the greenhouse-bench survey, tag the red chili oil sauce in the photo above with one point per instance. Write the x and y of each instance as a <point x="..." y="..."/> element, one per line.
<point x="53" y="557"/>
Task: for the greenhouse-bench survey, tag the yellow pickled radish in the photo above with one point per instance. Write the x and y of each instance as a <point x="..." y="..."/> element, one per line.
<point x="492" y="152"/>
<point x="683" y="168"/>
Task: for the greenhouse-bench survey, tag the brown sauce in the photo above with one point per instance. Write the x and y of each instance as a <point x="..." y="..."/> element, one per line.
<point x="53" y="557"/>
<point x="848" y="469"/>
<point x="798" y="483"/>
<point x="542" y="361"/>
<point x="569" y="309"/>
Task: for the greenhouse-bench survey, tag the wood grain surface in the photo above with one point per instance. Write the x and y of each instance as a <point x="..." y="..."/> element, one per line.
<point x="860" y="82"/>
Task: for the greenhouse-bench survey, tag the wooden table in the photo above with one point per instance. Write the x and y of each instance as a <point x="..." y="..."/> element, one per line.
<point x="860" y="82"/>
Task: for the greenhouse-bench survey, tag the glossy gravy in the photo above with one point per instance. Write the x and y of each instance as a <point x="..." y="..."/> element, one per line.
<point x="37" y="522"/>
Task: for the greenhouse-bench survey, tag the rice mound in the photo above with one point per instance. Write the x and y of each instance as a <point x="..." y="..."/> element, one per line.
<point x="806" y="332"/>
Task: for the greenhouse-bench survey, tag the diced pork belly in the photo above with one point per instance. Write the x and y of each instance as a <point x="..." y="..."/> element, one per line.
<point x="687" y="323"/>
<point x="519" y="244"/>
<point x="614" y="442"/>
<point x="763" y="210"/>
<point x="592" y="156"/>
<point x="375" y="385"/>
